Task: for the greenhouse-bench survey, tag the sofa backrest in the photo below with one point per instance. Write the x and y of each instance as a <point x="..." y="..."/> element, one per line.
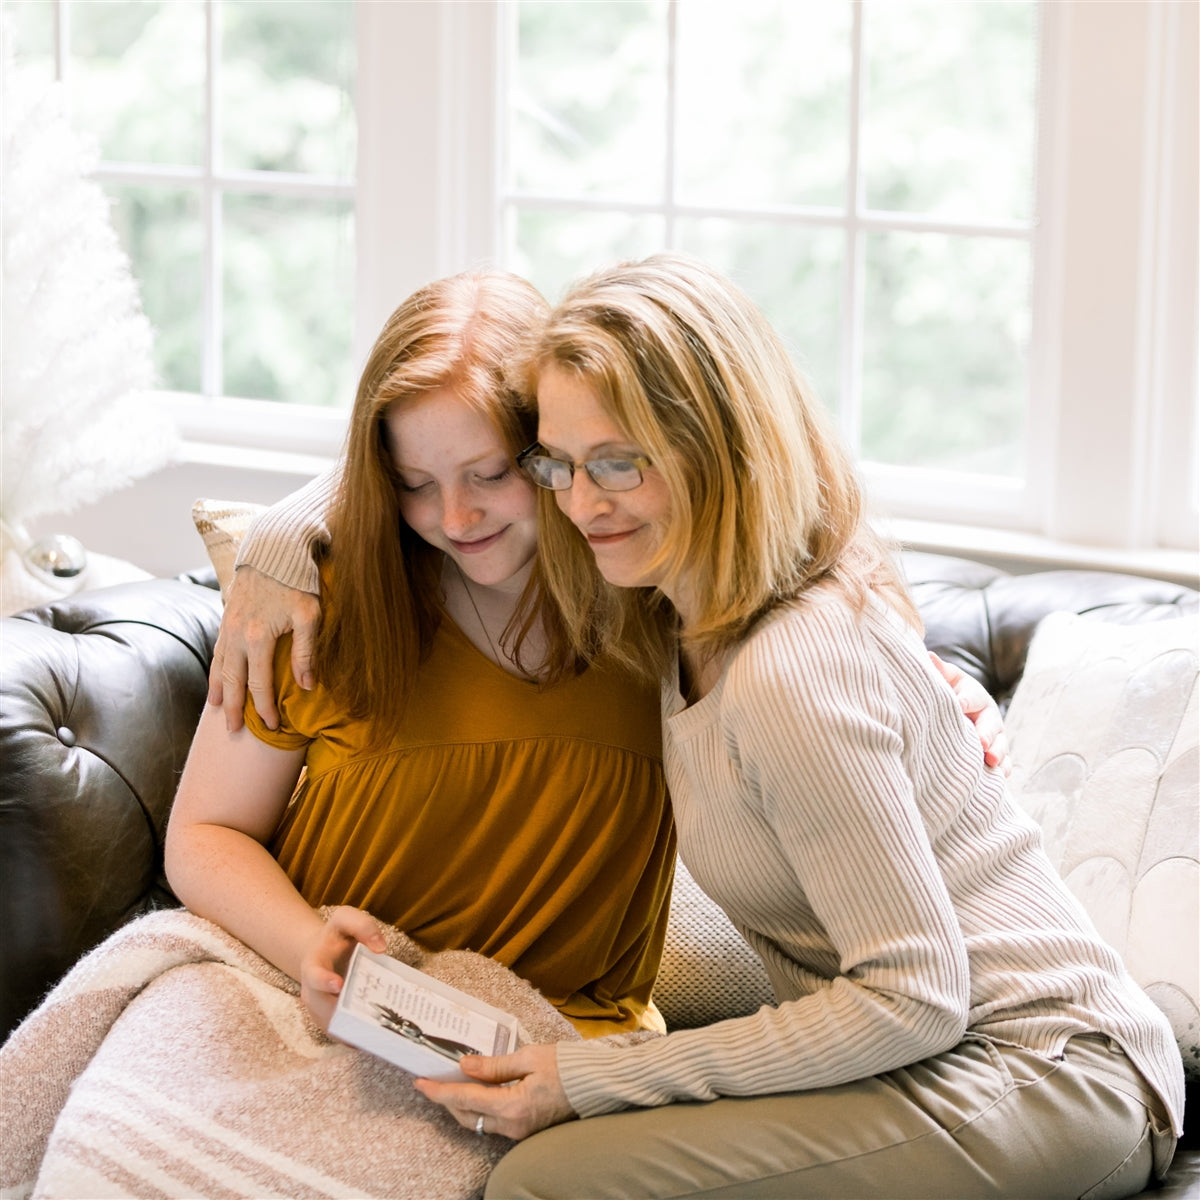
<point x="982" y="619"/>
<point x="100" y="695"/>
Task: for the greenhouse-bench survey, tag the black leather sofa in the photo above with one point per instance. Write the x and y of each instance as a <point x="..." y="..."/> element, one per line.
<point x="100" y="693"/>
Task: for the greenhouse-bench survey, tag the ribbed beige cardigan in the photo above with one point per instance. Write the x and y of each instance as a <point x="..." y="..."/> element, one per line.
<point x="831" y="797"/>
<point x="280" y="542"/>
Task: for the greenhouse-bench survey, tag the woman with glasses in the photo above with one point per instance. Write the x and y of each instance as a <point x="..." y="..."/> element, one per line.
<point x="949" y="1022"/>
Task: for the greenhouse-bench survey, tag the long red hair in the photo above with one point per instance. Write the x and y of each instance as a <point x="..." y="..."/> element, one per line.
<point x="382" y="591"/>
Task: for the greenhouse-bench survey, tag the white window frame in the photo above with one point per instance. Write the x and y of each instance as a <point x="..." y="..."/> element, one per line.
<point x="207" y="420"/>
<point x="1113" y="360"/>
<point x="985" y="498"/>
<point x="1112" y="425"/>
<point x="1115" y="373"/>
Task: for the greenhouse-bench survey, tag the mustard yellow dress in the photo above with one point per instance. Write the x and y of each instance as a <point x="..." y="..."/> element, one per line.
<point x="529" y="824"/>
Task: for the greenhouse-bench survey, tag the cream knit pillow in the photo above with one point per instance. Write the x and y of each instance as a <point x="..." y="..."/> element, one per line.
<point x="1104" y="729"/>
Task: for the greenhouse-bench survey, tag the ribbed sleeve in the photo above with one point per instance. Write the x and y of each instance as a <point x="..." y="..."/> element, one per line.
<point x="831" y="797"/>
<point x="280" y="542"/>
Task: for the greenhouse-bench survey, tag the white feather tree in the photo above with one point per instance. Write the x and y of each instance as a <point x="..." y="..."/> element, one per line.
<point x="77" y="364"/>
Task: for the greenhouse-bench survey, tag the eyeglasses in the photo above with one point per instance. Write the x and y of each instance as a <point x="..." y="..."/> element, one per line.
<point x="611" y="474"/>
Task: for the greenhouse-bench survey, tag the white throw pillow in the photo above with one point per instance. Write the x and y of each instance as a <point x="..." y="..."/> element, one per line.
<point x="1104" y="730"/>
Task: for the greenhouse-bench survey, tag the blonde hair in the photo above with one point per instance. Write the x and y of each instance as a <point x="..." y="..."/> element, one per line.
<point x="763" y="500"/>
<point x="383" y="598"/>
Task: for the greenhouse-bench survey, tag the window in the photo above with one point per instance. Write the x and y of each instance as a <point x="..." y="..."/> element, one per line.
<point x="1082" y="346"/>
<point x="974" y="223"/>
<point x="865" y="171"/>
<point x="226" y="135"/>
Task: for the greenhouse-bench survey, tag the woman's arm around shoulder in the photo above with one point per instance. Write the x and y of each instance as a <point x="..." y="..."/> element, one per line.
<point x="981" y="710"/>
<point x="274" y="589"/>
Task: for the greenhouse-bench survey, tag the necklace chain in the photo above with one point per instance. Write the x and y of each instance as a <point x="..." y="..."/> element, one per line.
<point x="467" y="588"/>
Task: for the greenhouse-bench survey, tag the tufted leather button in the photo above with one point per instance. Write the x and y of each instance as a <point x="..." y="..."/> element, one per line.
<point x="65" y="736"/>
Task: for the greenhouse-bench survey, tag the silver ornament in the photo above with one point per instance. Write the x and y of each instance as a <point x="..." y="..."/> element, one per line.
<point x="58" y="554"/>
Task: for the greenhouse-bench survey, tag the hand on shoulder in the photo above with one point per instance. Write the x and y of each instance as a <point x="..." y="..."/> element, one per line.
<point x="258" y="612"/>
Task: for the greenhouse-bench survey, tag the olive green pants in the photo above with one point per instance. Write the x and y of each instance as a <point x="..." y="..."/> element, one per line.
<point x="982" y="1120"/>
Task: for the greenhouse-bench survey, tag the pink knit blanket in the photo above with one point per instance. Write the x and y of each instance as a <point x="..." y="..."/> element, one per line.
<point x="174" y="1061"/>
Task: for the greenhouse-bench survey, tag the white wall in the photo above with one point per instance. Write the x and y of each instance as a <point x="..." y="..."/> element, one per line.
<point x="149" y="523"/>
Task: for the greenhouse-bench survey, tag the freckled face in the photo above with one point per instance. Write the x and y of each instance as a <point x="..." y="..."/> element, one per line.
<point x="624" y="529"/>
<point x="461" y="490"/>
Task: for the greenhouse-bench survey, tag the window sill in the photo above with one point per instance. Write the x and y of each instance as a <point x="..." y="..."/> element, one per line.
<point x="253" y="458"/>
<point x="1021" y="552"/>
<point x="257" y="428"/>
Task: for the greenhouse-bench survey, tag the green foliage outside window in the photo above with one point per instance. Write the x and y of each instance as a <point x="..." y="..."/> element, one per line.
<point x="282" y="262"/>
<point x="759" y="185"/>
